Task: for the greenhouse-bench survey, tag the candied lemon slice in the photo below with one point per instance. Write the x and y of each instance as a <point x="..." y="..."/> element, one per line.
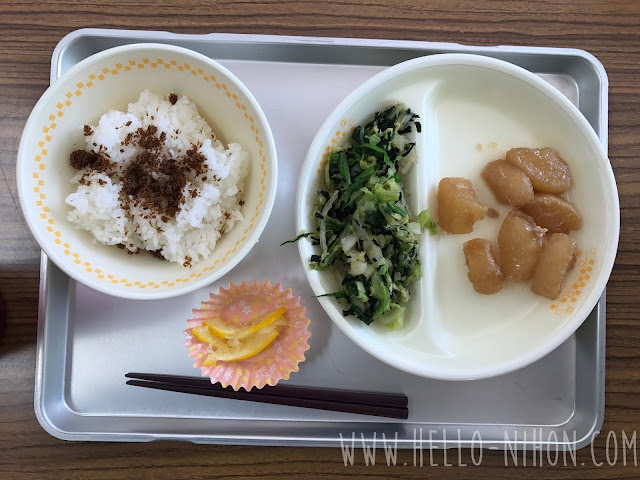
<point x="269" y="318"/>
<point x="252" y="347"/>
<point x="219" y="329"/>
<point x="222" y="330"/>
<point x="281" y="322"/>
<point x="203" y="334"/>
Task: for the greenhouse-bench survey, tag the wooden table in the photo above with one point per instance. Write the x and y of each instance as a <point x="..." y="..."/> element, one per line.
<point x="30" y="29"/>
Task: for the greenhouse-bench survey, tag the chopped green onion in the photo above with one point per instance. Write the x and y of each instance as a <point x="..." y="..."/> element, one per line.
<point x="343" y="165"/>
<point x="427" y="222"/>
<point x="364" y="229"/>
<point x="293" y="240"/>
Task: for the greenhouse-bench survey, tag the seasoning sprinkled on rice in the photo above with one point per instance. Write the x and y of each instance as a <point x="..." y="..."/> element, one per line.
<point x="156" y="178"/>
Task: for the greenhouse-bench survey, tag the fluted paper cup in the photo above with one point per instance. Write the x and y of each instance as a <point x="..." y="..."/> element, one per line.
<point x="242" y="304"/>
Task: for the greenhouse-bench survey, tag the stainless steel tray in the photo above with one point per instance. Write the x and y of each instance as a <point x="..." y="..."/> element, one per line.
<point x="87" y="341"/>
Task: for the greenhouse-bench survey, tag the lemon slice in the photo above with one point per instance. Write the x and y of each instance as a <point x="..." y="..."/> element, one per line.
<point x="219" y="329"/>
<point x="203" y="334"/>
<point x="251" y="347"/>
<point x="268" y="320"/>
<point x="215" y="324"/>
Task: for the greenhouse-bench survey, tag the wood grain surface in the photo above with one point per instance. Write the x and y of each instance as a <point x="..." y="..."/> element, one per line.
<point x="29" y="31"/>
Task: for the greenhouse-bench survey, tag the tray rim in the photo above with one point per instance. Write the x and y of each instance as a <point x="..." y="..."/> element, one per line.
<point x="445" y="47"/>
<point x="75" y="35"/>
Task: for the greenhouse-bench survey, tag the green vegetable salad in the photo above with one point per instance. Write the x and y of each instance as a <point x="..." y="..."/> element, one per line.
<point x="364" y="228"/>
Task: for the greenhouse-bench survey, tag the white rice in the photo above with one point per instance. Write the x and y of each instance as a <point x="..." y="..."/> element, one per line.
<point x="200" y="221"/>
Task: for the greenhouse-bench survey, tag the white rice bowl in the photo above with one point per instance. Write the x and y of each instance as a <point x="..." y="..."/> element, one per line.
<point x="111" y="80"/>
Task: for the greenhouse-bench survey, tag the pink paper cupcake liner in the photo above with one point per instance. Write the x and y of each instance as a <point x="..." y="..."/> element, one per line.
<point x="241" y="304"/>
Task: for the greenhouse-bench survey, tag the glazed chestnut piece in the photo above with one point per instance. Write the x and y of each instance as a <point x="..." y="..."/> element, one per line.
<point x="547" y="171"/>
<point x="458" y="205"/>
<point x="553" y="213"/>
<point x="484" y="272"/>
<point x="556" y="259"/>
<point x="519" y="246"/>
<point x="508" y="183"/>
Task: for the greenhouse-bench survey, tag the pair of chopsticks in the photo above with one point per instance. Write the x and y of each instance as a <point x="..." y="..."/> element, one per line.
<point x="393" y="405"/>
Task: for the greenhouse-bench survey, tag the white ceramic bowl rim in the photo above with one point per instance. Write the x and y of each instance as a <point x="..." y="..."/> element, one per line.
<point x="612" y="224"/>
<point x="38" y="231"/>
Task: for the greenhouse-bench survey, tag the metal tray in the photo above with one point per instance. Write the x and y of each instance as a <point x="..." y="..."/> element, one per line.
<point x="87" y="341"/>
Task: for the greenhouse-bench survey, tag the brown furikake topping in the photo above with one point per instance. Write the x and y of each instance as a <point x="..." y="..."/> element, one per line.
<point x="155" y="184"/>
<point x="146" y="138"/>
<point x="81" y="158"/>
<point x="156" y="181"/>
<point x="194" y="160"/>
<point x="157" y="254"/>
<point x="99" y="162"/>
<point x="124" y="247"/>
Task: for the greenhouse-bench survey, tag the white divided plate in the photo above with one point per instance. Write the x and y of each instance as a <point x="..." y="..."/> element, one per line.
<point x="472" y="110"/>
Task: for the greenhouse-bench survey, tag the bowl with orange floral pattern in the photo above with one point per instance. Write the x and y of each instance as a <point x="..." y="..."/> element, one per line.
<point x="113" y="80"/>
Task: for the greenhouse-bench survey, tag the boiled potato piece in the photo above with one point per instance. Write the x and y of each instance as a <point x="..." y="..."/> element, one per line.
<point x="556" y="259"/>
<point x="547" y="171"/>
<point x="519" y="246"/>
<point x="458" y="206"/>
<point x="484" y="272"/>
<point x="508" y="183"/>
<point x="553" y="213"/>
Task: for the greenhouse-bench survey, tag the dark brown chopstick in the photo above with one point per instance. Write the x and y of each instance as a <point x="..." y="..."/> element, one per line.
<point x="277" y="395"/>
<point x="334" y="395"/>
